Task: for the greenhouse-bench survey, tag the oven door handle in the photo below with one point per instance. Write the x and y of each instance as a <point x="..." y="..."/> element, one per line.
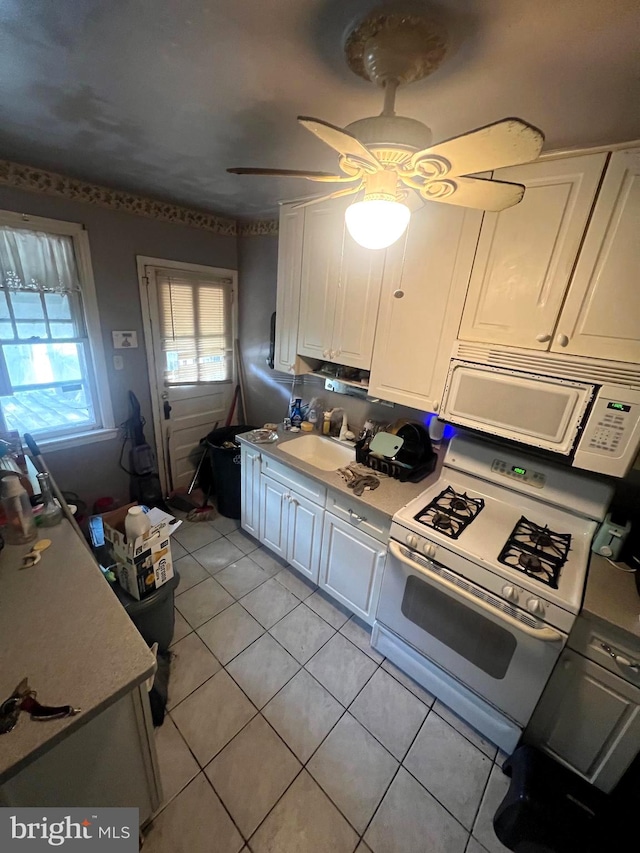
<point x="547" y="635"/>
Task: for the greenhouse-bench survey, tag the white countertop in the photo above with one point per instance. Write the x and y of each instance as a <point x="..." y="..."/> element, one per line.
<point x="387" y="498"/>
<point x="63" y="628"/>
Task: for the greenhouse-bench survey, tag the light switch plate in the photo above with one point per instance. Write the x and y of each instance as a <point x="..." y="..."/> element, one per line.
<point x="125" y="340"/>
<point x="118" y="362"/>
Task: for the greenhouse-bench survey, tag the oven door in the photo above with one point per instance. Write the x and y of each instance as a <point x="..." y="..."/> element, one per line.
<point x="535" y="410"/>
<point x="497" y="650"/>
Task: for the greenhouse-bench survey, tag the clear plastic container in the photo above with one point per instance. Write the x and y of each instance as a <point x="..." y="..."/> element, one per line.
<point x="20" y="526"/>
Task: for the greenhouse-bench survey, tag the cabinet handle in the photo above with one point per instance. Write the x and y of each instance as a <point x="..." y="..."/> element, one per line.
<point x="293" y="501"/>
<point x="620" y="660"/>
<point x="353" y="516"/>
<point x="562" y="340"/>
<point x="326" y="353"/>
<point x="543" y="338"/>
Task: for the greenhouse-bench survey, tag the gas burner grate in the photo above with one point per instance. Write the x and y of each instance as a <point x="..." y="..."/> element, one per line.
<point x="537" y="551"/>
<point x="450" y="512"/>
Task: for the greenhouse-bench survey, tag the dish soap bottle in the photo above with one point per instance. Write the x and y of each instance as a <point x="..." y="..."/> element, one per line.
<point x="51" y="513"/>
<point x="19" y="525"/>
<point x="296" y="413"/>
<point x="326" y="424"/>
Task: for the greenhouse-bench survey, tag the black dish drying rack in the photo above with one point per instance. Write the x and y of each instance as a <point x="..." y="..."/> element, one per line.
<point x="414" y="461"/>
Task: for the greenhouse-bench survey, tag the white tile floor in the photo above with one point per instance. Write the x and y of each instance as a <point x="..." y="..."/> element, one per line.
<point x="287" y="733"/>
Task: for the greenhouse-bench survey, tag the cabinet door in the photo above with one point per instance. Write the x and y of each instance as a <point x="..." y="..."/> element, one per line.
<point x="321" y="255"/>
<point x="601" y="317"/>
<point x="290" y="237"/>
<point x="526" y="254"/>
<point x="425" y="282"/>
<point x="356" y="303"/>
<point x="250" y="473"/>
<point x="589" y="719"/>
<point x="351" y="567"/>
<point x="304" y="536"/>
<point x="274" y="515"/>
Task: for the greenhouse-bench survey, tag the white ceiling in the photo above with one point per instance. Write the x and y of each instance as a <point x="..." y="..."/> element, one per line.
<point x="160" y="96"/>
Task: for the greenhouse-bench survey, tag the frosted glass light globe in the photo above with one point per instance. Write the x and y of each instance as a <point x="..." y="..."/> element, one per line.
<point x="376" y="224"/>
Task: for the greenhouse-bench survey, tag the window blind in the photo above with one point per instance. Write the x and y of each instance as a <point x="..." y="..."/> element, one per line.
<point x="195" y="328"/>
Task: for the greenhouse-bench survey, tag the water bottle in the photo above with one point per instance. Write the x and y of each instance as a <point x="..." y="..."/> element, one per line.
<point x="19" y="524"/>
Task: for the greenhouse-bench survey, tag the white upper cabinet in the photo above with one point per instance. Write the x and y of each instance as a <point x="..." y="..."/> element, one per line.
<point x="423" y="290"/>
<point x="356" y="300"/>
<point x="340" y="290"/>
<point x="290" y="236"/>
<point x="601" y="316"/>
<point x="321" y="256"/>
<point x="526" y="254"/>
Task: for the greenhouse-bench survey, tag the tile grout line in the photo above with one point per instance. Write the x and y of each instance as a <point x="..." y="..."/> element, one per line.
<point x="345" y="709"/>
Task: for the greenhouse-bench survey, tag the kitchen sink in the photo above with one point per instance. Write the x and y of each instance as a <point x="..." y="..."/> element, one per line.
<point x="327" y="454"/>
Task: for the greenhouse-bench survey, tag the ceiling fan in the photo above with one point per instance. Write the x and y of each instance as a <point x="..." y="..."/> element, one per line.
<point x="389" y="159"/>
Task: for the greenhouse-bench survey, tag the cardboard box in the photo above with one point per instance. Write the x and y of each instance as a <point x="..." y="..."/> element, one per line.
<point x="144" y="565"/>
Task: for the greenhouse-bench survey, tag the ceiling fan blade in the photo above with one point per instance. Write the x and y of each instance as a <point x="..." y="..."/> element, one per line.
<point x="505" y="143"/>
<point x="340" y="140"/>
<point x="475" y="192"/>
<point x="291" y="173"/>
<point x="337" y="194"/>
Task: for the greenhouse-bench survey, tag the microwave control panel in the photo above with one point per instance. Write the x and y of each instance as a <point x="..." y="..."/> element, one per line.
<point x="612" y="433"/>
<point x="517" y="472"/>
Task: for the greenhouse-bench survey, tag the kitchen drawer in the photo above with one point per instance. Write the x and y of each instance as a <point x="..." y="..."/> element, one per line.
<point x="589" y="638"/>
<point x="364" y="518"/>
<point x="298" y="483"/>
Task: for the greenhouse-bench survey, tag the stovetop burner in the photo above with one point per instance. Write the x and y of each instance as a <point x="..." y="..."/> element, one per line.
<point x="450" y="512"/>
<point x="536" y="551"/>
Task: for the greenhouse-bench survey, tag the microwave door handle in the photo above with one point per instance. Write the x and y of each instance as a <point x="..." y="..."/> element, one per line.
<point x="547" y="635"/>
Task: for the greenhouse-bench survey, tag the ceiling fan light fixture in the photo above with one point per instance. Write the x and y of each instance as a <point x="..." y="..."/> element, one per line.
<point x="377" y="223"/>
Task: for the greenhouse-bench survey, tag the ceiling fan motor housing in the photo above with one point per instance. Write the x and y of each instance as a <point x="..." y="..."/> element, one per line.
<point x="383" y="133"/>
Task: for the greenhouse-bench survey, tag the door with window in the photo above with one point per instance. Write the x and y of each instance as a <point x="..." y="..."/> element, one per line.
<point x="189" y="327"/>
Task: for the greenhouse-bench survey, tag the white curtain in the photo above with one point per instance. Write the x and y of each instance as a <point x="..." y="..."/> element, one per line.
<point x="37" y="261"/>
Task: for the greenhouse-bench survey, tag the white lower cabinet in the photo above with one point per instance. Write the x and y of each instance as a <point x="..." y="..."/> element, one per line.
<point x="331" y="548"/>
<point x="351" y="566"/>
<point x="250" y="482"/>
<point x="291" y="526"/>
<point x="588" y="719"/>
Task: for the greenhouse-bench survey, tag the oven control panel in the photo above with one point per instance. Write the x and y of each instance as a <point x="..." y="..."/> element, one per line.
<point x="518" y="472"/>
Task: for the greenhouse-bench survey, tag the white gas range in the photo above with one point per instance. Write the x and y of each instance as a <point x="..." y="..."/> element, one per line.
<point x="484" y="579"/>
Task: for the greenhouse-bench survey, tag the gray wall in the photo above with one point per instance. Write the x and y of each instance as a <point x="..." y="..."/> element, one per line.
<point x="267" y="391"/>
<point x="116" y="238"/>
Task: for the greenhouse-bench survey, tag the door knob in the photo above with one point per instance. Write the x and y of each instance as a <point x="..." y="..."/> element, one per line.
<point x="542" y="338"/>
<point x="562" y="340"/>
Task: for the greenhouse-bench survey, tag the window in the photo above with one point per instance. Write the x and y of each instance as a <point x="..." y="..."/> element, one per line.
<point x="49" y="334"/>
<point x="195" y="328"/>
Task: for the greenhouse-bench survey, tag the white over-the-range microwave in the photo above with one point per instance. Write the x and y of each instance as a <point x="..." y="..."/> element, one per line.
<point x="586" y="409"/>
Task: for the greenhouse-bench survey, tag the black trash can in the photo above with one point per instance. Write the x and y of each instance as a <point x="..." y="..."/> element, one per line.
<point x="225" y="468"/>
<point x="549" y="809"/>
<point x="154" y="616"/>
